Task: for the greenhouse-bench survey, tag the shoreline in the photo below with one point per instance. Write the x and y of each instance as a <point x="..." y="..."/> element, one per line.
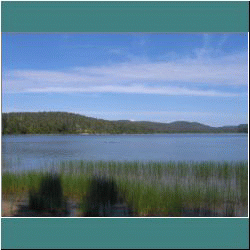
<point x="19" y="208"/>
<point x="124" y="134"/>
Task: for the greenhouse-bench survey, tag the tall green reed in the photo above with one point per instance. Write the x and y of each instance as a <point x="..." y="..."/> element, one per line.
<point x="150" y="188"/>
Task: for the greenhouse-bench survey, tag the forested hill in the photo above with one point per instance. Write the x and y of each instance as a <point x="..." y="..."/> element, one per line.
<point x="69" y="123"/>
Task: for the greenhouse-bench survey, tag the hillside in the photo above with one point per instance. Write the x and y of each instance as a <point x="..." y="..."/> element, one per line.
<point x="69" y="123"/>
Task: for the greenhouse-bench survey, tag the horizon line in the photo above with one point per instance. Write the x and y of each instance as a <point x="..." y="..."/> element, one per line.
<point x="151" y="121"/>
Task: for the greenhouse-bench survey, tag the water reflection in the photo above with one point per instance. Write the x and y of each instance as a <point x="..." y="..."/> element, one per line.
<point x="38" y="151"/>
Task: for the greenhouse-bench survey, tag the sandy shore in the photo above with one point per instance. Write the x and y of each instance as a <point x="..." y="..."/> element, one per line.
<point x="9" y="208"/>
<point x="19" y="208"/>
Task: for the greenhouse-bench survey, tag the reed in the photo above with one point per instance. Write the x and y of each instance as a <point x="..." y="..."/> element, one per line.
<point x="148" y="188"/>
<point x="101" y="195"/>
<point x="49" y="197"/>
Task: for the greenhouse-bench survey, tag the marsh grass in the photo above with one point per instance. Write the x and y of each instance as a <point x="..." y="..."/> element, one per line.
<point x="148" y="188"/>
<point x="101" y="195"/>
<point x="49" y="197"/>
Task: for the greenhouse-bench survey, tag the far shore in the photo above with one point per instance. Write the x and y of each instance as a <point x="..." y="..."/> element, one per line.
<point x="172" y="133"/>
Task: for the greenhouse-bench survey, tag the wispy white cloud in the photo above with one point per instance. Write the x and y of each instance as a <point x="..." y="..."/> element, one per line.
<point x="223" y="40"/>
<point x="134" y="89"/>
<point x="140" y="77"/>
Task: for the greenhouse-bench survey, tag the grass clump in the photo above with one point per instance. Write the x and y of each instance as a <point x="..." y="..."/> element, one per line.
<point x="102" y="194"/>
<point x="49" y="197"/>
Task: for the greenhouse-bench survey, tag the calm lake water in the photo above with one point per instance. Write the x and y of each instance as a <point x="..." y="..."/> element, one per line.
<point x="36" y="151"/>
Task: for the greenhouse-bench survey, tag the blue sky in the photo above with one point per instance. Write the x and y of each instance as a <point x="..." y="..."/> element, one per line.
<point x="135" y="76"/>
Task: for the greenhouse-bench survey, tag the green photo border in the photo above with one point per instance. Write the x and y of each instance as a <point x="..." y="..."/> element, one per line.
<point x="137" y="233"/>
<point x="124" y="16"/>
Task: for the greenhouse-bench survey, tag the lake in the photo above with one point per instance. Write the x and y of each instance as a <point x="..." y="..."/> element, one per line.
<point x="21" y="152"/>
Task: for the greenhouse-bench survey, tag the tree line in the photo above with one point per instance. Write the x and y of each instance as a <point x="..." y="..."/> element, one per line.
<point x="69" y="123"/>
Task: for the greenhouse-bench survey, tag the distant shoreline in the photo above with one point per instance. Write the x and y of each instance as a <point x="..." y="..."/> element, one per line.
<point x="69" y="123"/>
<point x="181" y="133"/>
